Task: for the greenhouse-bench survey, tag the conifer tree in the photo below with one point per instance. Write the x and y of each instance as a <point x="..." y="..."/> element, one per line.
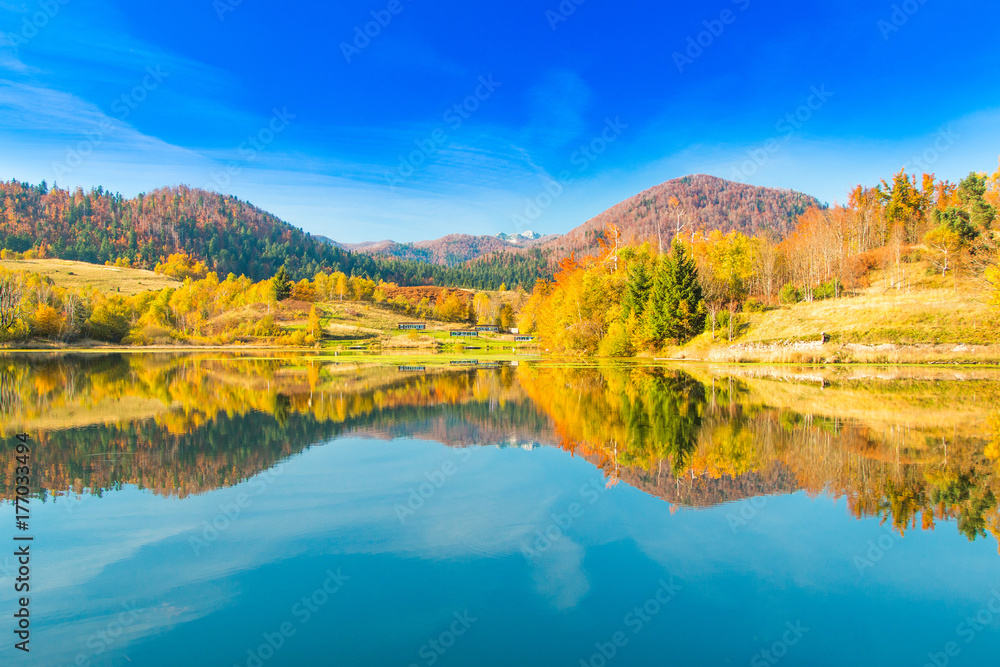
<point x="972" y="196"/>
<point x="636" y="289"/>
<point x="657" y="317"/>
<point x="282" y="284"/>
<point x="685" y="303"/>
<point x="675" y="308"/>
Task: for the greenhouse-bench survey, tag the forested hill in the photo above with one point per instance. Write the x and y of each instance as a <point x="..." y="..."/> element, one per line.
<point x="229" y="235"/>
<point x="696" y="202"/>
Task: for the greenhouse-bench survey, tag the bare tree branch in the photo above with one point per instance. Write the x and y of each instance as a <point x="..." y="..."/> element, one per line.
<point x="11" y="290"/>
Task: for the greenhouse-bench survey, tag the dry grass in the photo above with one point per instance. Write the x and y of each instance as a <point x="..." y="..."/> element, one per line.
<point x="411" y="342"/>
<point x="930" y="310"/>
<point x="373" y="319"/>
<point x="928" y="321"/>
<point x="926" y="316"/>
<point x="106" y="279"/>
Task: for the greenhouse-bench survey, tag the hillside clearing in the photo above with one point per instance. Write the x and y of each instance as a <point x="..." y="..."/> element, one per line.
<point x="929" y="321"/>
<point x="106" y="279"/>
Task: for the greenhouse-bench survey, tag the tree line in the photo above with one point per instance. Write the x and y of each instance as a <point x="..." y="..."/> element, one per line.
<point x="204" y="309"/>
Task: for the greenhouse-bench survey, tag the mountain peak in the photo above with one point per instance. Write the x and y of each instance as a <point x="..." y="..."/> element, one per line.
<point x="521" y="236"/>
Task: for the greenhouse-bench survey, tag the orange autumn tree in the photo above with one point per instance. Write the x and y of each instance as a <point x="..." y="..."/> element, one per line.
<point x="569" y="313"/>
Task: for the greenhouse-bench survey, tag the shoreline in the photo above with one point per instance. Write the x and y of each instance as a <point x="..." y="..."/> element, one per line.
<point x="845" y="354"/>
<point x="740" y="354"/>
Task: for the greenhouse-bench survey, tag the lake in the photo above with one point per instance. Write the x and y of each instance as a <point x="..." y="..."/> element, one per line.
<point x="289" y="509"/>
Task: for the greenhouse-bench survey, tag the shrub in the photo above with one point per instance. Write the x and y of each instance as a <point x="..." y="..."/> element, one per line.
<point x="616" y="343"/>
<point x="110" y="321"/>
<point x="858" y="268"/>
<point x="48" y="322"/>
<point x="17" y="331"/>
<point x="827" y="290"/>
<point x="267" y="327"/>
<point x="149" y="334"/>
<point x="789" y="294"/>
<point x="181" y="266"/>
<point x="400" y="304"/>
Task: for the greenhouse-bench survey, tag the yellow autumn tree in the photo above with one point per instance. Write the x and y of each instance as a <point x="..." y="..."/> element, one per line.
<point x="993" y="277"/>
<point x="323" y="286"/>
<point x="181" y="266"/>
<point x="314" y="327"/>
<point x="450" y="307"/>
<point x="483" y="306"/>
<point x="570" y="315"/>
<point x="304" y="291"/>
<point x="340" y="287"/>
<point x="48" y="321"/>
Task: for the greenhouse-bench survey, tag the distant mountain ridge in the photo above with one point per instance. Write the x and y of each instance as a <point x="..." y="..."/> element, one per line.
<point x="451" y="249"/>
<point x="519" y="238"/>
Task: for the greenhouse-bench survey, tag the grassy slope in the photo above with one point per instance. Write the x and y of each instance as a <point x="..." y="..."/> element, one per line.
<point x="361" y="322"/>
<point x="354" y="324"/>
<point x="926" y="321"/>
<point x="936" y="315"/>
<point x="75" y="275"/>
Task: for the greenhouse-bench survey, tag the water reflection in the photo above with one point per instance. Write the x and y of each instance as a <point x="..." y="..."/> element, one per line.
<point x="910" y="446"/>
<point x="904" y="446"/>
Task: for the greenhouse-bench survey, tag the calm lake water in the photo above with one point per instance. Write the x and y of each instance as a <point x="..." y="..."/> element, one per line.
<point x="259" y="510"/>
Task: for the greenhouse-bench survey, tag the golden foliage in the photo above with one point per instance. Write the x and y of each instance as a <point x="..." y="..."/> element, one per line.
<point x="182" y="266"/>
<point x="49" y="322"/>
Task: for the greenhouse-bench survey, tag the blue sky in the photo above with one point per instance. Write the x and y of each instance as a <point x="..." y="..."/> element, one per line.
<point x="359" y="138"/>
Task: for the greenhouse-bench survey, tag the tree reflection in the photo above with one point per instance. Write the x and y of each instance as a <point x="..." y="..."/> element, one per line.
<point x="910" y="450"/>
<point x="703" y="442"/>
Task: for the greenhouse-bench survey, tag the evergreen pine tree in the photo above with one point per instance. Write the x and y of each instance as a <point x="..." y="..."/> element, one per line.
<point x="972" y="195"/>
<point x="636" y="290"/>
<point x="685" y="303"/>
<point x="282" y="285"/>
<point x="657" y="313"/>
